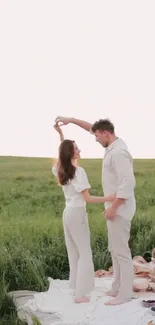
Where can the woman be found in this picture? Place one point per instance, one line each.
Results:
(75, 185)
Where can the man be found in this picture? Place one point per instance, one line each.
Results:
(117, 178)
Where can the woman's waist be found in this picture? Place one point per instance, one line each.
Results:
(75, 202)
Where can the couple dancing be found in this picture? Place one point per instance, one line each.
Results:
(118, 184)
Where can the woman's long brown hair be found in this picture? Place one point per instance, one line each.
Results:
(66, 170)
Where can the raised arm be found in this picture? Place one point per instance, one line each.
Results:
(66, 120)
(58, 129)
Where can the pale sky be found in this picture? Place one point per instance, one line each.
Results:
(88, 59)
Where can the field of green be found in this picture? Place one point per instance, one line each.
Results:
(31, 234)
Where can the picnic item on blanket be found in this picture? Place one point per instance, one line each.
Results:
(148, 303)
(153, 310)
(144, 273)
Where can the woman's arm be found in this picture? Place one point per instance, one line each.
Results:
(97, 199)
(58, 129)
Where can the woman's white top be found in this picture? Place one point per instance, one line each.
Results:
(72, 191)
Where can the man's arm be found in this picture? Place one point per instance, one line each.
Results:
(125, 176)
(66, 120)
(83, 124)
(126, 181)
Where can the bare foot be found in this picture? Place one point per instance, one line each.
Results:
(82, 299)
(117, 301)
(111, 293)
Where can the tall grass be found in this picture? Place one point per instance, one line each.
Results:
(31, 234)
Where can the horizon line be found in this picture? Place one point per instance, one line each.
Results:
(46, 157)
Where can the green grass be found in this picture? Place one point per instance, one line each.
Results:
(31, 234)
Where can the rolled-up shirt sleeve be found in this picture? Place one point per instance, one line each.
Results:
(124, 172)
(80, 181)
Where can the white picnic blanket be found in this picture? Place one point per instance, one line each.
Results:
(58, 301)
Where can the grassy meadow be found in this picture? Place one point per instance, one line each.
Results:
(31, 234)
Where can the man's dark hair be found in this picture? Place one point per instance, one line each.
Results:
(103, 125)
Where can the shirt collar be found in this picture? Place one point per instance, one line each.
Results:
(113, 144)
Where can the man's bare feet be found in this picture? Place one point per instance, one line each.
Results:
(117, 301)
(82, 299)
(111, 293)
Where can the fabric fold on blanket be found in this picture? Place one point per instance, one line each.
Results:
(58, 300)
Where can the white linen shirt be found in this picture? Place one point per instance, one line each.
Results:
(72, 191)
(118, 177)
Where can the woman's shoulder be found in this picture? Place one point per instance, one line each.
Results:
(80, 171)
